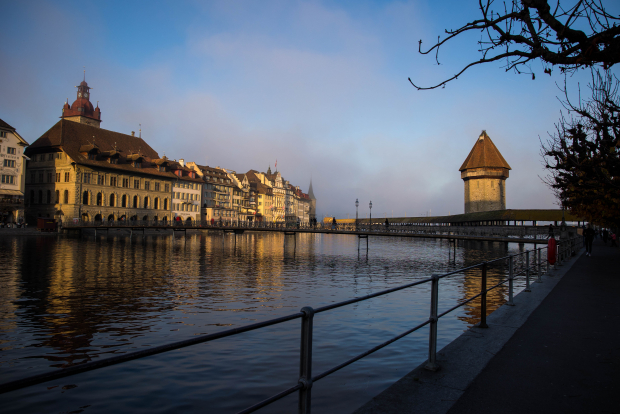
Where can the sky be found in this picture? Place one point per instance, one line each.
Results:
(319, 86)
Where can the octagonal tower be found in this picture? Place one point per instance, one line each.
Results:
(484, 173)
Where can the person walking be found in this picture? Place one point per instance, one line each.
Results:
(613, 240)
(589, 233)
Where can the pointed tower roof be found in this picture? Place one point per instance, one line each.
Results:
(310, 192)
(484, 154)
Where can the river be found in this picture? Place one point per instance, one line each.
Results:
(67, 300)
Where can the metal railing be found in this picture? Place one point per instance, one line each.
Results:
(519, 264)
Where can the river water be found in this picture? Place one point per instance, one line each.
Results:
(69, 300)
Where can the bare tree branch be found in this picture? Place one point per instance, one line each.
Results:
(532, 31)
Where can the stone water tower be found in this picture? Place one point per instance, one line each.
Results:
(484, 173)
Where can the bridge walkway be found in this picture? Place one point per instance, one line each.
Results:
(378, 230)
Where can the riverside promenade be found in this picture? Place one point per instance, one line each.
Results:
(556, 350)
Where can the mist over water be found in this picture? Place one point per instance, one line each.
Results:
(69, 300)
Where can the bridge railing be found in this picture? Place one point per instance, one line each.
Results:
(524, 264)
(535, 232)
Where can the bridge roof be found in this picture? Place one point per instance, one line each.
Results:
(497, 215)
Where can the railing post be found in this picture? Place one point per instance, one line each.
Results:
(431, 364)
(305, 361)
(483, 297)
(538, 265)
(511, 277)
(527, 272)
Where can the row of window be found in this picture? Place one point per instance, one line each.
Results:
(8, 179)
(89, 178)
(50, 177)
(45, 157)
(11, 150)
(186, 196)
(185, 207)
(125, 201)
(9, 163)
(48, 198)
(190, 186)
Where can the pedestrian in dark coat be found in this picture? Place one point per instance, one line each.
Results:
(589, 239)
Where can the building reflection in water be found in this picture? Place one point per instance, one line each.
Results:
(70, 300)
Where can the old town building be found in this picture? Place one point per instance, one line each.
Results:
(217, 193)
(78, 170)
(186, 193)
(13, 173)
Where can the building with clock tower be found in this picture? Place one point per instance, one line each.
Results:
(82, 111)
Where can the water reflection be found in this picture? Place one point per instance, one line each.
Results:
(69, 300)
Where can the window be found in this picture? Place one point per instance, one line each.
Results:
(91, 155)
(67, 177)
(101, 179)
(156, 186)
(112, 200)
(135, 201)
(66, 197)
(32, 200)
(86, 178)
(124, 201)
(49, 197)
(126, 182)
(166, 203)
(33, 178)
(50, 157)
(99, 199)
(8, 179)
(57, 196)
(137, 164)
(113, 160)
(147, 185)
(136, 184)
(9, 163)
(57, 177)
(2, 134)
(85, 198)
(156, 203)
(146, 202)
(10, 150)
(49, 177)
(167, 187)
(112, 181)
(40, 197)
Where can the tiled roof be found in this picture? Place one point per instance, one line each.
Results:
(75, 138)
(5, 125)
(484, 154)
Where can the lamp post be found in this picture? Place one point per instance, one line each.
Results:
(357, 204)
(370, 207)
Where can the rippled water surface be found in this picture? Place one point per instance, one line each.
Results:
(70, 300)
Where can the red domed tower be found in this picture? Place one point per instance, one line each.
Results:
(82, 110)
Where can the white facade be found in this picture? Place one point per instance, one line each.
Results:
(12, 174)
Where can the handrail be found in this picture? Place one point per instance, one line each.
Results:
(306, 314)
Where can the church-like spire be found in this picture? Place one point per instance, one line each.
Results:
(310, 192)
(269, 170)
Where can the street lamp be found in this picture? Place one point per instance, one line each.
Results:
(357, 203)
(370, 207)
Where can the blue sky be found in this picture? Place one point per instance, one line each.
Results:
(320, 86)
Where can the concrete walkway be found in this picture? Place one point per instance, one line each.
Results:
(557, 350)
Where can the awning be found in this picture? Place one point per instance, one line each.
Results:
(11, 192)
